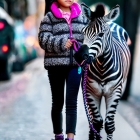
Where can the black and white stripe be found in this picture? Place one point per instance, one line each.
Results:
(108, 72)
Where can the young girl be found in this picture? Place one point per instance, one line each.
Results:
(62, 23)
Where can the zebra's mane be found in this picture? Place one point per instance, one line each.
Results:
(100, 10)
(98, 13)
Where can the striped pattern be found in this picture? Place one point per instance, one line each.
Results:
(108, 72)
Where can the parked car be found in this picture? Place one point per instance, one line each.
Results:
(7, 48)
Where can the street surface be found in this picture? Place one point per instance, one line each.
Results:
(25, 108)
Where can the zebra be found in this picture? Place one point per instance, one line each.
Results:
(105, 49)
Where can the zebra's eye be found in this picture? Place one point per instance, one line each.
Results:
(100, 34)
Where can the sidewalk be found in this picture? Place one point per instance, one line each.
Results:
(25, 109)
(123, 129)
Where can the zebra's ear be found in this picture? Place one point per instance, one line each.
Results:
(113, 14)
(86, 10)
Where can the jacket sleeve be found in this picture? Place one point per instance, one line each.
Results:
(47, 40)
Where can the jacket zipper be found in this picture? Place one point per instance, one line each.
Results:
(71, 48)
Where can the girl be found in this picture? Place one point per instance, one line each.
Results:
(62, 23)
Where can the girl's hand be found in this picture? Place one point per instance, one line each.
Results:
(68, 44)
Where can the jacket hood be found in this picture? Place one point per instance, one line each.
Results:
(75, 10)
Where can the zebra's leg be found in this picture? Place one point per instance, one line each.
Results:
(112, 101)
(93, 103)
(92, 98)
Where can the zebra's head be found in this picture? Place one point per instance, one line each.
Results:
(97, 32)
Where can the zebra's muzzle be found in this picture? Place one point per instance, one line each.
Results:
(82, 54)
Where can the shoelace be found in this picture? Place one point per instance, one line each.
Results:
(59, 137)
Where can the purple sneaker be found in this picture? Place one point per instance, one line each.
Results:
(69, 139)
(59, 137)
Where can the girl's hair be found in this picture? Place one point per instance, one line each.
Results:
(48, 4)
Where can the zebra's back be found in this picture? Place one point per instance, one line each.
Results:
(120, 38)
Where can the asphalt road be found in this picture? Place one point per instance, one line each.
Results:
(25, 108)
